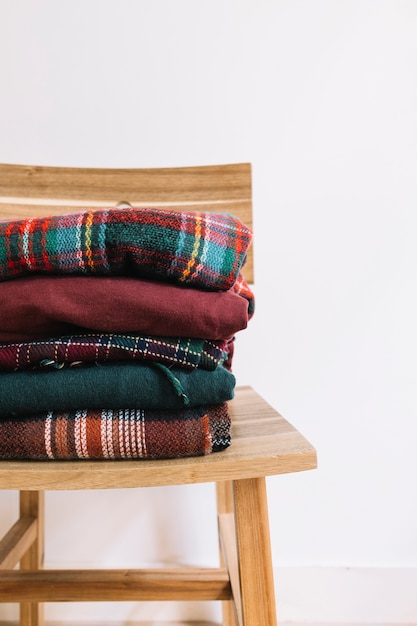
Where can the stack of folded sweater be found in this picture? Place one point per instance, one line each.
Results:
(116, 333)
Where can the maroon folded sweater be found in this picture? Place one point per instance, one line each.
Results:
(46, 306)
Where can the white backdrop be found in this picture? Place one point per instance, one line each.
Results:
(321, 97)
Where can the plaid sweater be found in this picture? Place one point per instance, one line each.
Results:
(100, 347)
(116, 434)
(205, 250)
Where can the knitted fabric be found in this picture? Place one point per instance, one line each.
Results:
(39, 306)
(131, 385)
(76, 349)
(242, 288)
(195, 249)
(116, 434)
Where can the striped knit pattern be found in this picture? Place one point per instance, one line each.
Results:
(88, 348)
(205, 250)
(116, 434)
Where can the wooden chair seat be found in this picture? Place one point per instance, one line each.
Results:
(263, 442)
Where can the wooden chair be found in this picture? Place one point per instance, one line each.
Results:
(263, 442)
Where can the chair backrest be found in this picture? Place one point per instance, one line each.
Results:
(36, 191)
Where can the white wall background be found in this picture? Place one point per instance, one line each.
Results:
(321, 96)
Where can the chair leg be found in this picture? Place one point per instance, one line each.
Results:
(254, 552)
(225, 506)
(32, 505)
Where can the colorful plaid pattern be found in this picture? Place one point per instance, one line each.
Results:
(88, 348)
(205, 250)
(241, 288)
(116, 434)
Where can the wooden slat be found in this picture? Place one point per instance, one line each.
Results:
(180, 184)
(227, 534)
(263, 444)
(17, 541)
(32, 503)
(225, 507)
(114, 585)
(254, 552)
(224, 497)
(20, 210)
(129, 623)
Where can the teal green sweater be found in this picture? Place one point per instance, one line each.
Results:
(122, 385)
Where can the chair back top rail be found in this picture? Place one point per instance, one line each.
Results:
(37, 191)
